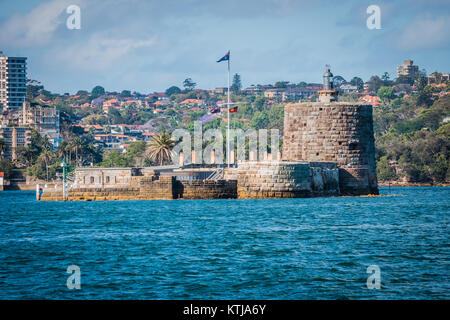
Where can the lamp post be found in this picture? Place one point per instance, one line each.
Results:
(64, 166)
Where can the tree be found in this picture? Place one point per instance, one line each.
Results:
(404, 80)
(114, 116)
(34, 88)
(384, 170)
(386, 93)
(24, 155)
(424, 97)
(46, 156)
(260, 121)
(114, 159)
(125, 93)
(386, 79)
(358, 82)
(77, 145)
(259, 102)
(3, 147)
(421, 80)
(237, 85)
(97, 91)
(420, 83)
(6, 166)
(159, 149)
(135, 151)
(338, 81)
(82, 93)
(172, 90)
(374, 83)
(188, 84)
(281, 84)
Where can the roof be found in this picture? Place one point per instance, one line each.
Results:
(197, 101)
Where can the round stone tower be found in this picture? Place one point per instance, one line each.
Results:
(339, 132)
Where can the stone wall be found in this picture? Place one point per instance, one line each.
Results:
(156, 188)
(284, 179)
(206, 189)
(92, 194)
(334, 132)
(103, 177)
(149, 188)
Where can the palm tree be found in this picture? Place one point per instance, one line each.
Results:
(46, 156)
(62, 150)
(77, 145)
(159, 149)
(3, 146)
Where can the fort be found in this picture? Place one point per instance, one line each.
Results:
(328, 150)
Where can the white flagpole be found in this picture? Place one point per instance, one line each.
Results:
(228, 109)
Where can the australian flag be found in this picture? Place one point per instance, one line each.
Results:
(225, 57)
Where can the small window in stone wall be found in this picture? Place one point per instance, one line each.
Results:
(353, 146)
(92, 179)
(107, 179)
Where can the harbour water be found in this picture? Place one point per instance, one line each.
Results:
(316, 248)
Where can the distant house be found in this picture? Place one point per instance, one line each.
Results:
(112, 140)
(348, 88)
(46, 101)
(253, 90)
(161, 103)
(96, 128)
(97, 102)
(158, 96)
(197, 102)
(221, 90)
(295, 94)
(275, 93)
(438, 77)
(147, 136)
(373, 100)
(111, 103)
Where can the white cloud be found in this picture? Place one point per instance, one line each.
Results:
(99, 52)
(425, 33)
(36, 27)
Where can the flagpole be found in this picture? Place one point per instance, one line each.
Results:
(228, 108)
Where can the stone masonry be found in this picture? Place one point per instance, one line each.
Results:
(148, 187)
(334, 132)
(267, 179)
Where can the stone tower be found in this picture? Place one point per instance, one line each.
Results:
(330, 131)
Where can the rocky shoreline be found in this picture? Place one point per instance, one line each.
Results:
(410, 184)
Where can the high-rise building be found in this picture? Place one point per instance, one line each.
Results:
(13, 74)
(407, 70)
(43, 119)
(14, 137)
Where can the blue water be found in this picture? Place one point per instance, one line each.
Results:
(316, 248)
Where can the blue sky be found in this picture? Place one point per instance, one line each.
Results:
(150, 45)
